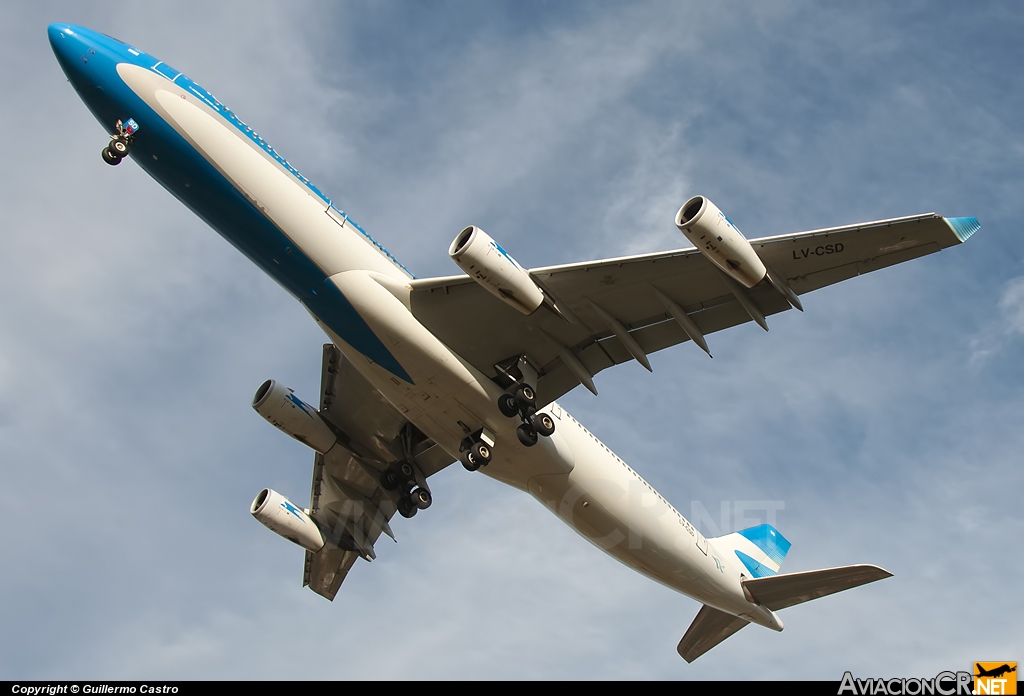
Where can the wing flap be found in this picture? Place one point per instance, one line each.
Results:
(663, 332)
(781, 591)
(710, 628)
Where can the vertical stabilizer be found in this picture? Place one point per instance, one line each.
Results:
(760, 549)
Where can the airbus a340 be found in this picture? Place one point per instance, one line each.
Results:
(423, 372)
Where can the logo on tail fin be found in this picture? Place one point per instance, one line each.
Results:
(765, 552)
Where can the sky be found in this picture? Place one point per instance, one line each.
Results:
(882, 425)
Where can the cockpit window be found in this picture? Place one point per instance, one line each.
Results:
(115, 39)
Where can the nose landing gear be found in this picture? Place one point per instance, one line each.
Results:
(120, 142)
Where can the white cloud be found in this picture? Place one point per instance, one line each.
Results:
(1012, 305)
(999, 334)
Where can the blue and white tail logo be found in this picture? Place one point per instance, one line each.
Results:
(760, 549)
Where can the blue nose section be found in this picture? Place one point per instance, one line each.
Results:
(64, 44)
(54, 31)
(71, 50)
(89, 59)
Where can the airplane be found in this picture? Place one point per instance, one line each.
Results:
(995, 672)
(422, 372)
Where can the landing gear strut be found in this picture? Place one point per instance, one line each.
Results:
(120, 142)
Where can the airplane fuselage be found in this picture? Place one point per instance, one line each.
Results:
(359, 294)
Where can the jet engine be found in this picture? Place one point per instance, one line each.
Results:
(293, 416)
(282, 517)
(487, 263)
(717, 238)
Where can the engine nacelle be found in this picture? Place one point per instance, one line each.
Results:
(282, 517)
(293, 416)
(487, 263)
(717, 238)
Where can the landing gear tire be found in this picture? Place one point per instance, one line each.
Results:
(407, 508)
(481, 452)
(110, 158)
(421, 498)
(469, 461)
(405, 469)
(388, 480)
(543, 424)
(508, 405)
(525, 395)
(527, 435)
(118, 148)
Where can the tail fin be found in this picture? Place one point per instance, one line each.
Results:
(781, 591)
(761, 549)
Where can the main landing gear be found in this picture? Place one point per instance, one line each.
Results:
(519, 401)
(120, 142)
(414, 494)
(522, 402)
(475, 452)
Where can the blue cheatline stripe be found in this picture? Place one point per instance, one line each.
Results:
(768, 539)
(756, 569)
(185, 82)
(163, 154)
(963, 227)
(334, 309)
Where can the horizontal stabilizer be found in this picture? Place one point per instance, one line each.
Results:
(709, 629)
(781, 591)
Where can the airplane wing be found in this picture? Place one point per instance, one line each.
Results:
(644, 295)
(346, 497)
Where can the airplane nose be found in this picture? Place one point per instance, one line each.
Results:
(64, 45)
(70, 50)
(59, 40)
(54, 32)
